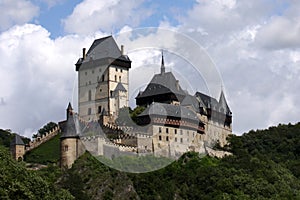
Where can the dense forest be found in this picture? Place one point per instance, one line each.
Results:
(265, 165)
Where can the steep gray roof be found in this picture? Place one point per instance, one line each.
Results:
(209, 102)
(17, 140)
(190, 100)
(120, 87)
(102, 48)
(69, 128)
(161, 84)
(170, 110)
(223, 104)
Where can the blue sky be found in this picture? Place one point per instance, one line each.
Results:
(253, 44)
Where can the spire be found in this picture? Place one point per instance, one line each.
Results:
(162, 67)
(223, 103)
(69, 110)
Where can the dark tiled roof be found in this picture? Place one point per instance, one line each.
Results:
(223, 104)
(209, 102)
(69, 128)
(120, 87)
(103, 49)
(170, 110)
(161, 84)
(17, 140)
(190, 100)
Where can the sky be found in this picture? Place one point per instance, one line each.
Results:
(253, 46)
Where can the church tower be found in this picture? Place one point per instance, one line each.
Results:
(70, 145)
(103, 74)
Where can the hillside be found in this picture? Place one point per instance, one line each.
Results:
(16, 182)
(46, 153)
(265, 165)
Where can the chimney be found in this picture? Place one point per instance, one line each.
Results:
(122, 50)
(177, 85)
(83, 54)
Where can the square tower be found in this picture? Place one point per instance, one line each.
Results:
(103, 78)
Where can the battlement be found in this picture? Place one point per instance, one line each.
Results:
(42, 139)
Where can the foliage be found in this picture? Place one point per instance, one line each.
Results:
(6, 136)
(16, 182)
(48, 152)
(45, 129)
(137, 110)
(136, 164)
(128, 117)
(90, 179)
(265, 165)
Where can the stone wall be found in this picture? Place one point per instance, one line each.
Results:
(44, 138)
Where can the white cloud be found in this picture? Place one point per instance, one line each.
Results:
(93, 15)
(38, 75)
(281, 32)
(16, 12)
(262, 84)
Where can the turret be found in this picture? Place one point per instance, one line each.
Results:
(17, 148)
(70, 145)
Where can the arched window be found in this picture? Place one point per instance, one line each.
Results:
(66, 148)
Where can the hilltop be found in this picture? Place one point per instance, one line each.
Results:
(265, 165)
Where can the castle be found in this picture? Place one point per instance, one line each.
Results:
(172, 123)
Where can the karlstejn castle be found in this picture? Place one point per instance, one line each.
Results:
(172, 121)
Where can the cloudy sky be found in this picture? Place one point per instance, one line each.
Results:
(254, 46)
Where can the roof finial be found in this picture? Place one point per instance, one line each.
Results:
(162, 68)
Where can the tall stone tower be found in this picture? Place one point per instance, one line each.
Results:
(103, 74)
(17, 148)
(70, 145)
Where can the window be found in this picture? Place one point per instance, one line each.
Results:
(116, 69)
(188, 133)
(175, 131)
(85, 73)
(119, 78)
(111, 93)
(89, 111)
(159, 137)
(167, 130)
(181, 140)
(159, 129)
(181, 132)
(176, 139)
(99, 109)
(102, 77)
(100, 90)
(98, 78)
(92, 71)
(167, 138)
(90, 82)
(90, 95)
(66, 148)
(121, 70)
(116, 78)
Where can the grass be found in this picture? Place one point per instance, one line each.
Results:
(48, 152)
